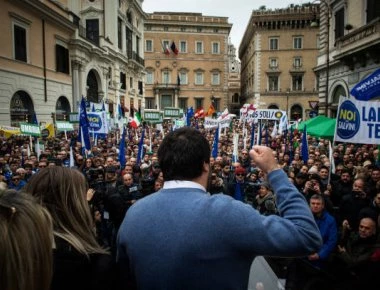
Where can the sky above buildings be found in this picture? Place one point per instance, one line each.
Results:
(237, 11)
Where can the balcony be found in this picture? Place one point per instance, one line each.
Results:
(353, 46)
(89, 36)
(138, 59)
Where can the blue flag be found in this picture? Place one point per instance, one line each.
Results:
(122, 149)
(237, 194)
(215, 145)
(368, 88)
(140, 153)
(291, 146)
(189, 115)
(83, 126)
(252, 135)
(34, 120)
(305, 146)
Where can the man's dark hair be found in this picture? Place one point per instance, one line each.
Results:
(183, 153)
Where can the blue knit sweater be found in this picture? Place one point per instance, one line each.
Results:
(186, 239)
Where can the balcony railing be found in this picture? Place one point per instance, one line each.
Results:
(91, 37)
(138, 59)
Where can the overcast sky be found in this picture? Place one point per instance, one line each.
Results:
(237, 11)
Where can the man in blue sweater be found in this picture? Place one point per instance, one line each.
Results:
(183, 238)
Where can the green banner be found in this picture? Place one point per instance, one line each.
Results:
(30, 129)
(64, 126)
(172, 113)
(152, 116)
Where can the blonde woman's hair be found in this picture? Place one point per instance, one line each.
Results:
(63, 192)
(26, 239)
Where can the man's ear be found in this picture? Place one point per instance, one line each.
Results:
(206, 167)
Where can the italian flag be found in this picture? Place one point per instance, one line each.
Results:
(136, 120)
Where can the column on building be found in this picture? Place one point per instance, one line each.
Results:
(176, 91)
(76, 85)
(157, 98)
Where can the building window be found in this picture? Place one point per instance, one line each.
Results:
(140, 86)
(131, 82)
(273, 43)
(199, 78)
(148, 45)
(297, 82)
(215, 78)
(273, 83)
(217, 105)
(128, 41)
(373, 10)
(149, 78)
(183, 78)
(199, 47)
(199, 29)
(92, 30)
(273, 63)
(149, 103)
(297, 62)
(215, 48)
(183, 29)
(166, 28)
(198, 103)
(297, 42)
(123, 81)
(183, 46)
(119, 33)
(339, 23)
(20, 45)
(166, 77)
(182, 103)
(62, 59)
(166, 101)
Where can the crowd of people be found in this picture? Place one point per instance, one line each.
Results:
(85, 205)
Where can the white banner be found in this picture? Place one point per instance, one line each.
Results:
(97, 122)
(358, 121)
(210, 123)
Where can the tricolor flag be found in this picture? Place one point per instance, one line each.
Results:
(174, 48)
(136, 120)
(166, 49)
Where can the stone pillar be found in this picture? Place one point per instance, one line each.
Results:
(157, 98)
(76, 86)
(176, 98)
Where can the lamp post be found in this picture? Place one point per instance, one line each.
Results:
(327, 47)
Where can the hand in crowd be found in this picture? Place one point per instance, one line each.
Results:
(264, 159)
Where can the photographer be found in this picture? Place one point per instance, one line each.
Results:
(313, 186)
(351, 204)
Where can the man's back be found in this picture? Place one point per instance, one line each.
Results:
(182, 238)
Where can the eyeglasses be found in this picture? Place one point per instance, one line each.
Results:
(15, 179)
(239, 174)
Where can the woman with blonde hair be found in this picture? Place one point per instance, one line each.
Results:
(77, 255)
(26, 238)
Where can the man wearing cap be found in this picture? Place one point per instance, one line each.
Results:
(236, 188)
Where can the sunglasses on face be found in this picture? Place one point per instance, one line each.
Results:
(239, 174)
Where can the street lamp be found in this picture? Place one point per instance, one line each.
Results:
(327, 10)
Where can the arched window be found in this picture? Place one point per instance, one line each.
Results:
(92, 84)
(62, 109)
(21, 108)
(296, 112)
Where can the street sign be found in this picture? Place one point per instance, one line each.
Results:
(313, 114)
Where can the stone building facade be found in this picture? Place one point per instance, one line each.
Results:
(278, 55)
(186, 60)
(55, 52)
